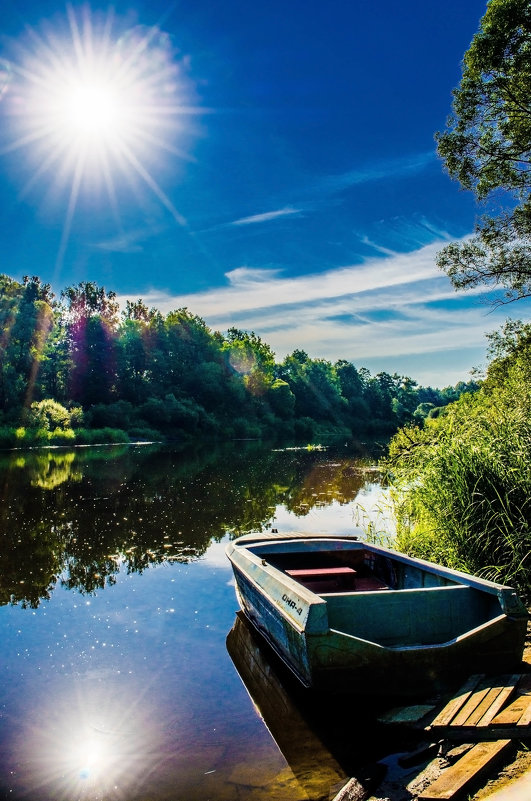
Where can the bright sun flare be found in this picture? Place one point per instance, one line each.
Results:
(84, 106)
(91, 110)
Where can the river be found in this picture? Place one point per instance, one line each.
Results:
(126, 673)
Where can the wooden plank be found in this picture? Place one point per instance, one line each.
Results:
(506, 692)
(525, 720)
(318, 572)
(465, 771)
(471, 734)
(483, 707)
(452, 707)
(512, 714)
(473, 702)
(352, 791)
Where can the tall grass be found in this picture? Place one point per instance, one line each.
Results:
(461, 486)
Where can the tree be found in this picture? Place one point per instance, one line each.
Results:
(487, 146)
(92, 320)
(26, 316)
(251, 358)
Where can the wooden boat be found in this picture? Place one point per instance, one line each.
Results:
(348, 615)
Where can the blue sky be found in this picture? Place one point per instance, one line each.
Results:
(277, 169)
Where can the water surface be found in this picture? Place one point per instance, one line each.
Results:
(118, 680)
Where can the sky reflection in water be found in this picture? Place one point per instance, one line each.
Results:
(128, 691)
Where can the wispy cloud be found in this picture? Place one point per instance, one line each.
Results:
(267, 216)
(378, 170)
(319, 190)
(248, 289)
(128, 241)
(376, 313)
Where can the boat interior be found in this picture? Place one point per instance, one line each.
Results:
(363, 590)
(349, 570)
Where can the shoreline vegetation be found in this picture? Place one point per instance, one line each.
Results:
(461, 483)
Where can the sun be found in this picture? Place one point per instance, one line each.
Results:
(91, 110)
(86, 103)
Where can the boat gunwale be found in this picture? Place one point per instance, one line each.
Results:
(258, 541)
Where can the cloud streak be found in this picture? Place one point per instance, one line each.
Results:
(267, 216)
(371, 313)
(392, 168)
(128, 241)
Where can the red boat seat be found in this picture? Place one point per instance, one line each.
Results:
(325, 579)
(320, 572)
(334, 579)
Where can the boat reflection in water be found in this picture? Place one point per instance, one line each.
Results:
(324, 741)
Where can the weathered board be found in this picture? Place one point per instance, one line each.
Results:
(452, 707)
(465, 771)
(498, 702)
(518, 710)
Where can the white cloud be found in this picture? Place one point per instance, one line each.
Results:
(383, 312)
(249, 291)
(250, 276)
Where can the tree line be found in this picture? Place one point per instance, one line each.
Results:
(73, 364)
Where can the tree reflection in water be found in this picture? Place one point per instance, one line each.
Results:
(79, 517)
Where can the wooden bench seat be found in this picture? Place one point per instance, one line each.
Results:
(332, 579)
(325, 579)
(320, 572)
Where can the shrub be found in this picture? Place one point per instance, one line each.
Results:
(62, 436)
(48, 414)
(144, 434)
(7, 437)
(97, 436)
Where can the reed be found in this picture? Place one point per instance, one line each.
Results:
(461, 486)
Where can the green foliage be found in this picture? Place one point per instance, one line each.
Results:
(487, 146)
(48, 414)
(62, 436)
(462, 483)
(97, 436)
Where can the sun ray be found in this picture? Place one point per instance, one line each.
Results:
(74, 192)
(150, 181)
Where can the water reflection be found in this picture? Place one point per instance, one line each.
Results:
(324, 741)
(80, 517)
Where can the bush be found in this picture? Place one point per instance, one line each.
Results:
(61, 436)
(7, 437)
(110, 415)
(97, 436)
(48, 414)
(144, 434)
